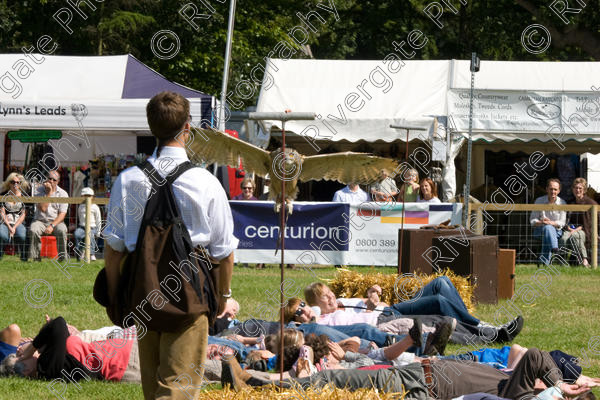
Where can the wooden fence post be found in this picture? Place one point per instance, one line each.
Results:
(595, 236)
(88, 213)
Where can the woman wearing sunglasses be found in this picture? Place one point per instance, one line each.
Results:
(247, 190)
(13, 213)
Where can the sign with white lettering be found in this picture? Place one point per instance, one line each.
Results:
(331, 233)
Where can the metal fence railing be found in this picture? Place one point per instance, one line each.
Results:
(71, 221)
(510, 222)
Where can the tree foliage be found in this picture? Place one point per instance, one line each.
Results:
(358, 29)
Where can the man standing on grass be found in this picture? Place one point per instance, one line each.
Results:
(548, 224)
(169, 360)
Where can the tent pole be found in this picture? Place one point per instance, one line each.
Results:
(221, 117)
(474, 68)
(285, 116)
(282, 212)
(403, 202)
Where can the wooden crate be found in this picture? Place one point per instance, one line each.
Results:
(506, 273)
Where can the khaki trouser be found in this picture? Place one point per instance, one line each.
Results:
(576, 240)
(36, 230)
(171, 362)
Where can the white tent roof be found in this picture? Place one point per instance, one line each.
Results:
(329, 88)
(526, 75)
(514, 101)
(99, 103)
(44, 92)
(76, 78)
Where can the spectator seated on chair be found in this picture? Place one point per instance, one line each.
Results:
(49, 217)
(13, 213)
(578, 229)
(548, 224)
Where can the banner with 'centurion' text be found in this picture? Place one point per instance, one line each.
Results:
(331, 233)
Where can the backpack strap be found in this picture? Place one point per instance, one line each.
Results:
(181, 168)
(151, 173)
(155, 177)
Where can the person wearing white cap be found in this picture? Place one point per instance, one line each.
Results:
(95, 218)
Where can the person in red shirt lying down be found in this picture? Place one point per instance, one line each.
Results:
(55, 353)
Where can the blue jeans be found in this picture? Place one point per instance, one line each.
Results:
(19, 240)
(438, 297)
(549, 236)
(80, 240)
(367, 333)
(333, 333)
(234, 344)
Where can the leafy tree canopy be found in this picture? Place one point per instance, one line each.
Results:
(342, 29)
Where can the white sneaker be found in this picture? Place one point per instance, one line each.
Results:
(483, 324)
(92, 258)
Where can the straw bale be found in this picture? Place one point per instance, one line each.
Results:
(395, 288)
(274, 393)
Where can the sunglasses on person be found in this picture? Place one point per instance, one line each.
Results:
(15, 182)
(248, 188)
(52, 179)
(300, 308)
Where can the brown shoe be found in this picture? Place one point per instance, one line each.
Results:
(233, 374)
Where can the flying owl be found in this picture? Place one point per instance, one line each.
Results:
(348, 167)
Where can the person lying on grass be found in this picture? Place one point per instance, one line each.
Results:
(55, 351)
(226, 320)
(111, 351)
(322, 354)
(438, 297)
(440, 379)
(10, 339)
(300, 312)
(299, 351)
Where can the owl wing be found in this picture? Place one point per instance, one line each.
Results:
(213, 146)
(346, 167)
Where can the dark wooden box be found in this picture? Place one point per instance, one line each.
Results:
(476, 256)
(506, 273)
(415, 244)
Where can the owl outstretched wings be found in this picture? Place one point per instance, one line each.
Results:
(348, 167)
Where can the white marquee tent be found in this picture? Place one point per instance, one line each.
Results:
(97, 102)
(515, 102)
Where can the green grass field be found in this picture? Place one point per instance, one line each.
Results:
(565, 315)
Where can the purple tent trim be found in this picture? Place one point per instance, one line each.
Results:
(142, 82)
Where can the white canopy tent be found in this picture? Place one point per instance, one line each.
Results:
(358, 100)
(515, 102)
(97, 102)
(527, 100)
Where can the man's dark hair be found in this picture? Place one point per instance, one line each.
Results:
(167, 112)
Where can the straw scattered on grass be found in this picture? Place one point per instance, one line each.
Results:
(310, 393)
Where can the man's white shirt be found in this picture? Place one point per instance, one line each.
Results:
(199, 195)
